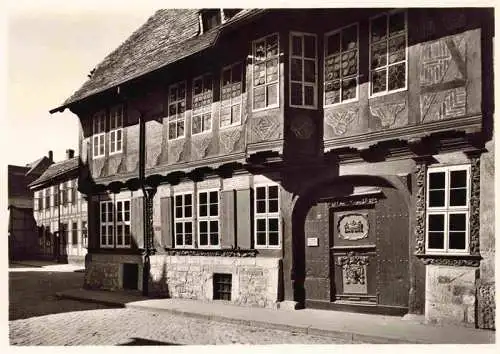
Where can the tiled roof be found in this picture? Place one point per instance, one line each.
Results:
(58, 169)
(166, 37)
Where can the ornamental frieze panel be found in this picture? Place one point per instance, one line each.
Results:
(265, 128)
(474, 218)
(154, 134)
(114, 163)
(98, 167)
(228, 139)
(132, 162)
(302, 127)
(340, 122)
(353, 273)
(435, 106)
(353, 202)
(353, 226)
(175, 149)
(200, 146)
(420, 176)
(390, 115)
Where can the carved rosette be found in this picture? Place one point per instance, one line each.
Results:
(353, 268)
(474, 205)
(265, 128)
(420, 208)
(228, 139)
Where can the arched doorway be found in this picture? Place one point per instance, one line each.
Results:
(351, 252)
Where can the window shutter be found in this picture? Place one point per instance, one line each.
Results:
(243, 218)
(227, 237)
(137, 221)
(93, 223)
(166, 222)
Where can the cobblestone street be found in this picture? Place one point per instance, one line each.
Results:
(37, 317)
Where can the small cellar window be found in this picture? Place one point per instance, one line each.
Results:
(222, 286)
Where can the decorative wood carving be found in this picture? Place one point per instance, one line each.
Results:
(343, 203)
(132, 161)
(474, 216)
(353, 226)
(265, 128)
(214, 253)
(353, 272)
(114, 163)
(175, 149)
(200, 146)
(457, 261)
(420, 176)
(302, 127)
(228, 139)
(340, 121)
(97, 167)
(390, 114)
(443, 105)
(154, 139)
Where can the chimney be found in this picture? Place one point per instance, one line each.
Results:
(70, 153)
(51, 156)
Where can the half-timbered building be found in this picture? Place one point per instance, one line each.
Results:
(326, 158)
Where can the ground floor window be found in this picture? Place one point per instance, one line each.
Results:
(267, 217)
(222, 286)
(115, 223)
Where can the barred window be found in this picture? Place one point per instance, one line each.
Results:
(303, 70)
(208, 218)
(267, 216)
(202, 104)
(388, 44)
(266, 72)
(231, 89)
(341, 65)
(183, 220)
(448, 193)
(176, 110)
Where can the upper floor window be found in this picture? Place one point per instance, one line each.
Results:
(37, 201)
(55, 195)
(388, 57)
(74, 234)
(202, 104)
(115, 129)
(183, 220)
(47, 198)
(210, 18)
(208, 218)
(63, 191)
(176, 110)
(266, 72)
(341, 65)
(84, 234)
(448, 192)
(303, 72)
(267, 216)
(98, 134)
(231, 89)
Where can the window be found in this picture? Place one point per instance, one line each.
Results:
(222, 284)
(123, 223)
(208, 219)
(47, 198)
(267, 229)
(341, 65)
(210, 19)
(74, 234)
(448, 209)
(63, 232)
(303, 73)
(266, 72)
(231, 89)
(176, 110)
(84, 234)
(106, 216)
(183, 219)
(37, 201)
(72, 192)
(115, 129)
(388, 69)
(202, 104)
(98, 134)
(63, 194)
(55, 194)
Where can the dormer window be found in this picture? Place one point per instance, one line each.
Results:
(210, 18)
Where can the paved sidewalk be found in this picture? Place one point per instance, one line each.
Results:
(40, 266)
(342, 325)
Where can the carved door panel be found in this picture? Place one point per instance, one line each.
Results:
(353, 256)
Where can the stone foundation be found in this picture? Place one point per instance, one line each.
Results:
(254, 280)
(451, 295)
(486, 305)
(105, 272)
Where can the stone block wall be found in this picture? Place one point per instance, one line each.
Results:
(255, 281)
(451, 295)
(105, 271)
(486, 305)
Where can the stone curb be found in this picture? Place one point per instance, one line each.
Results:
(112, 303)
(303, 329)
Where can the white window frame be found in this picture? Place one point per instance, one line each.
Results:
(99, 134)
(325, 46)
(303, 82)
(233, 101)
(204, 109)
(267, 215)
(447, 210)
(386, 67)
(208, 218)
(124, 223)
(178, 117)
(184, 220)
(85, 233)
(106, 223)
(254, 62)
(116, 128)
